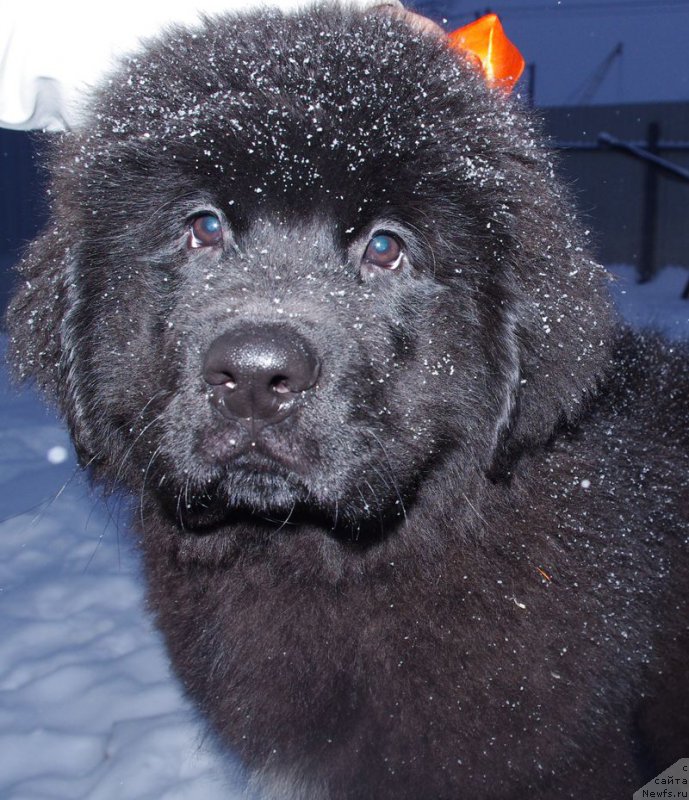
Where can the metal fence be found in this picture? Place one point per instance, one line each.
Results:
(628, 167)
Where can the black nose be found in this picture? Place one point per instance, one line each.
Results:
(260, 372)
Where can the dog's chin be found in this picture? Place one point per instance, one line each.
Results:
(262, 491)
(256, 491)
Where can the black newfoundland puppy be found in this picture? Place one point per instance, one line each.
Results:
(414, 509)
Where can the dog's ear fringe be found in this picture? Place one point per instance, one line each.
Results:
(559, 378)
(36, 321)
(35, 313)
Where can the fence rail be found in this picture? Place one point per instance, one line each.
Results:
(648, 152)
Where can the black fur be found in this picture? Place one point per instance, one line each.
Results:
(460, 570)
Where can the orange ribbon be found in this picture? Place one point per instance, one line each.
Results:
(485, 39)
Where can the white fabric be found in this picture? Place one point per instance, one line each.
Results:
(53, 51)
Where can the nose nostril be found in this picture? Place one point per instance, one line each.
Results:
(280, 385)
(217, 376)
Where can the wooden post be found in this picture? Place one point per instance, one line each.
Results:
(647, 265)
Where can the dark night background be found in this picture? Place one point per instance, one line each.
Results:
(619, 67)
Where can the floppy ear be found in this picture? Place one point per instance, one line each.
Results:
(564, 327)
(564, 340)
(41, 339)
(36, 312)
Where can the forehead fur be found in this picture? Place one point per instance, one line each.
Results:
(282, 103)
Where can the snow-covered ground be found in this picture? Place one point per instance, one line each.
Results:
(88, 707)
(657, 304)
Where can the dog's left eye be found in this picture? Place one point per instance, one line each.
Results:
(384, 250)
(205, 231)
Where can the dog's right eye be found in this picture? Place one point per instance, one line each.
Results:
(205, 230)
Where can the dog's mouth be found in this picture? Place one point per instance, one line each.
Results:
(259, 493)
(274, 476)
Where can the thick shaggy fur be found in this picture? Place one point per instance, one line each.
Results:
(459, 570)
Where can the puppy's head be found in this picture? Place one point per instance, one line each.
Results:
(305, 262)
